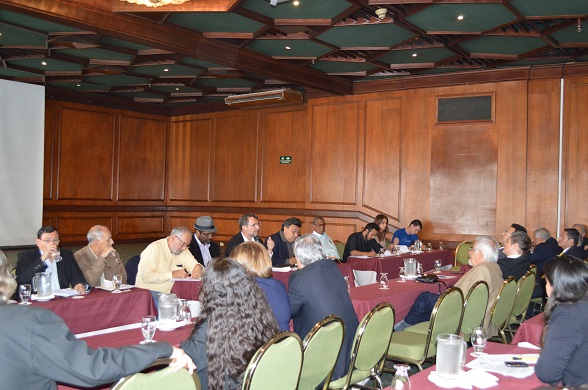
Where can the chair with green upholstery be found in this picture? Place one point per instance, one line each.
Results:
(369, 348)
(417, 343)
(462, 254)
(276, 365)
(340, 248)
(321, 348)
(474, 309)
(525, 287)
(153, 379)
(502, 307)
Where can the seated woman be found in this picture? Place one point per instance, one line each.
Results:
(565, 340)
(235, 321)
(384, 237)
(254, 258)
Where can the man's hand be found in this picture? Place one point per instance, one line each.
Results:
(49, 254)
(179, 274)
(197, 271)
(107, 251)
(181, 360)
(270, 244)
(292, 260)
(80, 288)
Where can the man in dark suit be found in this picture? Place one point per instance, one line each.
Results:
(250, 227)
(201, 246)
(63, 267)
(282, 253)
(317, 290)
(516, 248)
(546, 249)
(568, 240)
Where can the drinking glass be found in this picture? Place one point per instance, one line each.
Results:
(185, 314)
(381, 252)
(148, 328)
(402, 274)
(438, 266)
(400, 380)
(384, 281)
(441, 245)
(57, 256)
(24, 291)
(117, 281)
(347, 283)
(478, 339)
(429, 246)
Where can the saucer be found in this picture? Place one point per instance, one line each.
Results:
(24, 303)
(34, 297)
(413, 277)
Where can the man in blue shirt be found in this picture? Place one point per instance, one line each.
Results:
(409, 235)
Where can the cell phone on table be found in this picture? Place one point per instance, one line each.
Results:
(516, 364)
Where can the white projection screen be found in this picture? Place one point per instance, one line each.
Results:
(22, 121)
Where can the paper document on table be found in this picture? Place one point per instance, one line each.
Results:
(185, 280)
(495, 363)
(525, 344)
(446, 277)
(402, 248)
(281, 269)
(65, 292)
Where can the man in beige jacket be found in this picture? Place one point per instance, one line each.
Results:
(98, 260)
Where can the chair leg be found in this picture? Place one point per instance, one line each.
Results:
(502, 336)
(379, 382)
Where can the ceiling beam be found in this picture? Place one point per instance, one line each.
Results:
(96, 15)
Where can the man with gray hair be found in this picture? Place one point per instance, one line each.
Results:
(167, 259)
(318, 229)
(483, 257)
(318, 290)
(98, 260)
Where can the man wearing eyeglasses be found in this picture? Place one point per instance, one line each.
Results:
(47, 257)
(250, 227)
(201, 246)
(318, 229)
(515, 227)
(167, 259)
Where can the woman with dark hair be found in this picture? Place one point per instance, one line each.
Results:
(254, 258)
(384, 237)
(565, 340)
(235, 321)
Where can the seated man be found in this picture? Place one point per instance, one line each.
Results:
(362, 243)
(249, 226)
(318, 229)
(317, 290)
(282, 253)
(53, 354)
(583, 241)
(516, 248)
(483, 257)
(65, 271)
(515, 227)
(201, 246)
(568, 240)
(98, 260)
(409, 235)
(545, 249)
(167, 259)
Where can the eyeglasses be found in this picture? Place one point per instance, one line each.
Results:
(506, 233)
(54, 241)
(258, 224)
(184, 245)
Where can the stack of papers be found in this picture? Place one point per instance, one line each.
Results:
(495, 363)
(465, 380)
(65, 292)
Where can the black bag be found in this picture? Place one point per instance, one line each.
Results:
(427, 278)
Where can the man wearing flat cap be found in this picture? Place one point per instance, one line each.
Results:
(201, 246)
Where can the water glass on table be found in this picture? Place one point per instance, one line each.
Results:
(384, 281)
(148, 328)
(478, 339)
(24, 292)
(117, 281)
(438, 266)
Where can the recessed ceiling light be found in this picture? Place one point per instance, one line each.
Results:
(288, 48)
(166, 70)
(296, 2)
(177, 89)
(414, 54)
(78, 85)
(460, 17)
(44, 63)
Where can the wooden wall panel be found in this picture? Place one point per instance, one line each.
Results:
(575, 208)
(381, 187)
(542, 154)
(335, 143)
(75, 228)
(142, 163)
(235, 159)
(189, 166)
(48, 158)
(282, 134)
(86, 155)
(141, 225)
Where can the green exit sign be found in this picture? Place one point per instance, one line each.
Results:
(285, 159)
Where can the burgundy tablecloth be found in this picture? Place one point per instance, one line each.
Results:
(130, 337)
(392, 264)
(530, 331)
(102, 309)
(191, 289)
(421, 381)
(400, 294)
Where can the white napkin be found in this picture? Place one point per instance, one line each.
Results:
(466, 380)
(458, 382)
(526, 344)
